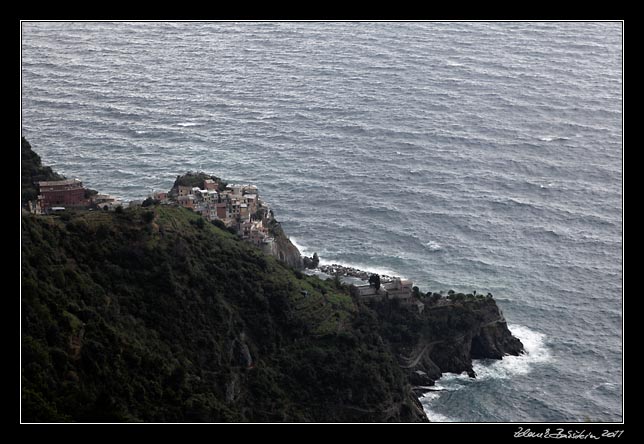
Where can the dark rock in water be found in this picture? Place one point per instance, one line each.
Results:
(352, 272)
(420, 378)
(311, 262)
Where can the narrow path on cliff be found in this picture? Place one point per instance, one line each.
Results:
(412, 362)
(389, 412)
(496, 321)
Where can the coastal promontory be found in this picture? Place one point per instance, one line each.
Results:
(152, 313)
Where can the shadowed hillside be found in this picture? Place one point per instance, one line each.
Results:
(151, 315)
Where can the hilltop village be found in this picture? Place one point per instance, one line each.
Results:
(235, 207)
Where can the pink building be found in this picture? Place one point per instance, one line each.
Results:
(62, 193)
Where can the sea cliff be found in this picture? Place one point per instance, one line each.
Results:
(283, 249)
(446, 336)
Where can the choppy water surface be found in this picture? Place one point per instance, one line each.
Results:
(473, 156)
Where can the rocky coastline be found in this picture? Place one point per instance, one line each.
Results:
(445, 337)
(345, 271)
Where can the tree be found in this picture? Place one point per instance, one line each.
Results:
(150, 201)
(337, 281)
(375, 280)
(199, 223)
(219, 224)
(148, 217)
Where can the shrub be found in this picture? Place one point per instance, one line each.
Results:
(219, 224)
(199, 223)
(149, 202)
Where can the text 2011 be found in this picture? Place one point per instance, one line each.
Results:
(612, 433)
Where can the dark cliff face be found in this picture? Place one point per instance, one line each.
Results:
(447, 335)
(283, 249)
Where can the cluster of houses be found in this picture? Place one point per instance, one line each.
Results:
(237, 206)
(392, 287)
(397, 288)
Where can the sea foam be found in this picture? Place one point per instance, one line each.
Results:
(536, 352)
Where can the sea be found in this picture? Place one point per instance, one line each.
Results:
(473, 156)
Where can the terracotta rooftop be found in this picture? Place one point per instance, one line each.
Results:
(52, 183)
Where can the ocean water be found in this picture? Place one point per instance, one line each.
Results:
(479, 156)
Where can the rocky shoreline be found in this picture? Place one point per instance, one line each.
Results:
(344, 271)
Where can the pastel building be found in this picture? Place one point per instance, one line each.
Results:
(61, 193)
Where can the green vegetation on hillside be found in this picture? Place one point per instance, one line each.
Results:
(148, 315)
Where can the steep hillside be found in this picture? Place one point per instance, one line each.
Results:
(32, 172)
(153, 314)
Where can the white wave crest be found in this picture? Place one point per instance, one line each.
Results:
(551, 138)
(433, 246)
(184, 124)
(433, 416)
(305, 251)
(536, 352)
